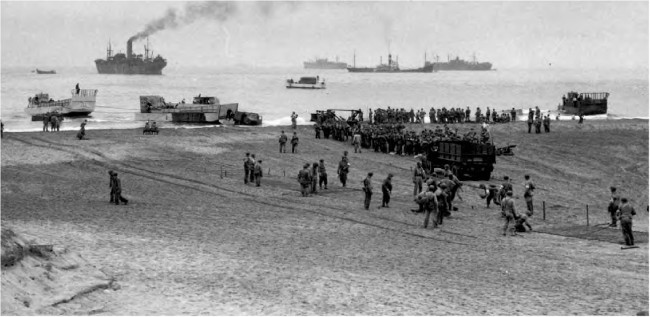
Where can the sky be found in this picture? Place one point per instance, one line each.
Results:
(587, 35)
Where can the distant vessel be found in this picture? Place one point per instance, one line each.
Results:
(459, 64)
(38, 71)
(391, 67)
(585, 103)
(306, 83)
(81, 103)
(130, 63)
(323, 63)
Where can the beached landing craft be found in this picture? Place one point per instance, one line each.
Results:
(586, 103)
(201, 110)
(306, 83)
(81, 103)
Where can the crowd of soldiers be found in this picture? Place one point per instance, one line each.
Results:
(440, 115)
(536, 118)
(52, 122)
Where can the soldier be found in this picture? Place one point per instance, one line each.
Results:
(538, 112)
(343, 170)
(294, 116)
(513, 114)
(46, 122)
(625, 213)
(53, 120)
(305, 180)
(147, 128)
(547, 124)
(111, 184)
(370, 115)
(528, 194)
(283, 142)
(506, 186)
(317, 129)
(322, 174)
(251, 168)
(443, 202)
(508, 207)
(538, 125)
(356, 141)
(82, 131)
(386, 190)
(2, 129)
(614, 201)
(367, 189)
(418, 176)
(294, 142)
(117, 193)
(257, 171)
(468, 112)
(314, 177)
(429, 203)
(530, 118)
(247, 169)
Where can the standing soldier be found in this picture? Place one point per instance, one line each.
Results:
(443, 202)
(367, 189)
(118, 191)
(468, 112)
(625, 213)
(257, 171)
(82, 131)
(613, 205)
(429, 202)
(528, 194)
(53, 120)
(304, 180)
(322, 174)
(111, 184)
(547, 124)
(283, 142)
(513, 114)
(251, 168)
(538, 125)
(314, 177)
(294, 116)
(508, 207)
(370, 115)
(356, 141)
(317, 128)
(418, 176)
(46, 121)
(294, 142)
(247, 169)
(343, 170)
(386, 190)
(531, 114)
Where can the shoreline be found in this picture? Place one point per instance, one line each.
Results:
(195, 239)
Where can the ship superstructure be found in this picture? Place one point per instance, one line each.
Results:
(131, 63)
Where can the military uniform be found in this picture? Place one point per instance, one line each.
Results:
(304, 178)
(386, 190)
(367, 189)
(429, 202)
(294, 143)
(625, 213)
(322, 175)
(508, 207)
(257, 173)
(343, 171)
(283, 143)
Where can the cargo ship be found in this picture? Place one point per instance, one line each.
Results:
(130, 63)
(81, 103)
(391, 67)
(460, 64)
(323, 63)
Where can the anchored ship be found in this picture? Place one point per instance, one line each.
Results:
(391, 67)
(460, 64)
(323, 63)
(131, 63)
(81, 103)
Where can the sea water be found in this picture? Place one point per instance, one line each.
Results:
(263, 90)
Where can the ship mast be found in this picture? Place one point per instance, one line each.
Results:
(354, 59)
(109, 51)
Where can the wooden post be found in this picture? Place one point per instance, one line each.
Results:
(284, 173)
(221, 172)
(587, 215)
(543, 210)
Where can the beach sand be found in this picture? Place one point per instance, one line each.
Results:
(194, 240)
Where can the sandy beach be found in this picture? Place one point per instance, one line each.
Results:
(195, 240)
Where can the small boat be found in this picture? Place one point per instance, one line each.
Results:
(38, 71)
(81, 103)
(306, 83)
(201, 110)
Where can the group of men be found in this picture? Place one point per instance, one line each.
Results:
(150, 128)
(620, 209)
(536, 118)
(283, 142)
(440, 115)
(52, 122)
(310, 177)
(503, 196)
(252, 170)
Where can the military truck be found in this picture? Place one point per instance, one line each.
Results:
(467, 160)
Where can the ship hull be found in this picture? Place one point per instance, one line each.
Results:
(305, 86)
(425, 69)
(126, 68)
(587, 110)
(461, 67)
(308, 65)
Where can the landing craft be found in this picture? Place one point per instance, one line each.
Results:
(201, 110)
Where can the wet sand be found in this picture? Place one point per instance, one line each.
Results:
(195, 240)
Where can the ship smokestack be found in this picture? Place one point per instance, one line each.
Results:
(390, 60)
(129, 48)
